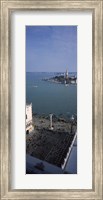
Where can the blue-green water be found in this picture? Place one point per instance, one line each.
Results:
(47, 97)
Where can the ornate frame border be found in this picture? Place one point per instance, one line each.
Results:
(7, 6)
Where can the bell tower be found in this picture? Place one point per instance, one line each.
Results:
(66, 74)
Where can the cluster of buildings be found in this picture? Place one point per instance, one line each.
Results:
(64, 79)
(69, 79)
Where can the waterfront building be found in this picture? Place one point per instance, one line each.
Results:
(29, 126)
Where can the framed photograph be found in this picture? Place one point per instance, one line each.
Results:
(51, 100)
(51, 118)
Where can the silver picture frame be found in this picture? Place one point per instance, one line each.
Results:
(7, 7)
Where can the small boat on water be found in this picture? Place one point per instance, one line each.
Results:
(72, 117)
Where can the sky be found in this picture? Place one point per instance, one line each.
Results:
(51, 48)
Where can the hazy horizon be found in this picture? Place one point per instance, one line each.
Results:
(50, 72)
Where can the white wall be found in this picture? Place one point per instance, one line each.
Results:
(29, 113)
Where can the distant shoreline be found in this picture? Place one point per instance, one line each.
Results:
(62, 78)
(53, 72)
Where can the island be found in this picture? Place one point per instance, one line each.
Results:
(63, 79)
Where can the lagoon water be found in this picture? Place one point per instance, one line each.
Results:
(47, 97)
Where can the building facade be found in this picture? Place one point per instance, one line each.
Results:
(29, 124)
